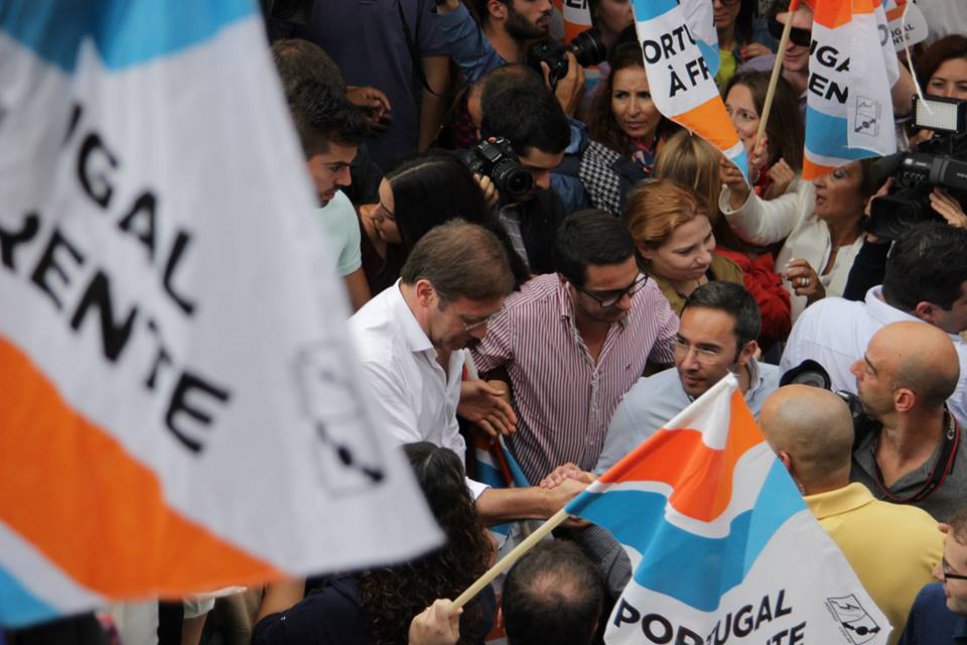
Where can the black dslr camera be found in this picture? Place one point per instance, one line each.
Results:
(495, 158)
(587, 46)
(940, 161)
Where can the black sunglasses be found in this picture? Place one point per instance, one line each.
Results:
(798, 36)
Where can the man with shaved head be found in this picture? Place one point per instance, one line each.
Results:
(917, 455)
(892, 548)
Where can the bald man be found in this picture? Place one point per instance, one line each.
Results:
(892, 548)
(918, 455)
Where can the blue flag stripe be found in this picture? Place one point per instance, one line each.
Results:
(650, 9)
(124, 32)
(828, 136)
(679, 563)
(20, 607)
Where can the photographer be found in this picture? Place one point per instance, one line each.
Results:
(537, 133)
(509, 29)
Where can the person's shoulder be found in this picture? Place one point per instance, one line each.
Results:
(915, 521)
(375, 328)
(541, 289)
(931, 599)
(654, 387)
(330, 614)
(831, 311)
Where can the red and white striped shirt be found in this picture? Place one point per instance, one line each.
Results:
(563, 399)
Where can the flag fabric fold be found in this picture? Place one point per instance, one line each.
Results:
(681, 66)
(853, 65)
(722, 546)
(180, 405)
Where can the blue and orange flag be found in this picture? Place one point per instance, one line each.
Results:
(853, 65)
(681, 61)
(179, 409)
(722, 546)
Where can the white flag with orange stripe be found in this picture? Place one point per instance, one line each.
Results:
(179, 406)
(680, 78)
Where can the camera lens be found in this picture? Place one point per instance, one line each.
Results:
(588, 48)
(511, 179)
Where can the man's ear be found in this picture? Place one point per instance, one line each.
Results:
(926, 311)
(904, 399)
(750, 350)
(425, 293)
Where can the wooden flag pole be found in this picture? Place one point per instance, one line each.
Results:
(776, 70)
(508, 560)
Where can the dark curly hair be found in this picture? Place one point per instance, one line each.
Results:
(393, 596)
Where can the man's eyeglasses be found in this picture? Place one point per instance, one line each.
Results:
(469, 326)
(611, 298)
(949, 573)
(703, 354)
(798, 35)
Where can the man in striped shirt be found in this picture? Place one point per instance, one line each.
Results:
(573, 342)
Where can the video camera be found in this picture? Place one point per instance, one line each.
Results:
(940, 161)
(588, 48)
(811, 373)
(495, 158)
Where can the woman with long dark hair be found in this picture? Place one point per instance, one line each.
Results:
(376, 607)
(623, 115)
(419, 193)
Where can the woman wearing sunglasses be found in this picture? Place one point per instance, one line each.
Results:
(674, 238)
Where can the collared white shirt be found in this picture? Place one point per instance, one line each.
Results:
(835, 332)
(414, 399)
(654, 400)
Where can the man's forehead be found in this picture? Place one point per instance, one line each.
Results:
(611, 276)
(538, 159)
(336, 153)
(707, 323)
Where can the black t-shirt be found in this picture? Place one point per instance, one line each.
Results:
(331, 614)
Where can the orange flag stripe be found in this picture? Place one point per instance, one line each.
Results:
(813, 170)
(833, 13)
(712, 122)
(71, 490)
(700, 477)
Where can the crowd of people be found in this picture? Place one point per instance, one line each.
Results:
(537, 258)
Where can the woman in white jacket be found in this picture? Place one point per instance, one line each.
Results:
(819, 221)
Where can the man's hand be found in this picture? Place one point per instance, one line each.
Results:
(948, 208)
(781, 175)
(374, 103)
(447, 6)
(436, 625)
(487, 404)
(570, 88)
(566, 471)
(491, 196)
(564, 492)
(754, 49)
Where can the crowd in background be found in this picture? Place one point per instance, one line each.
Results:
(539, 259)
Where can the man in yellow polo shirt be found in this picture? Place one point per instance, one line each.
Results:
(892, 548)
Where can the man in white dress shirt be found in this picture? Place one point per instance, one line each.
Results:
(411, 340)
(925, 281)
